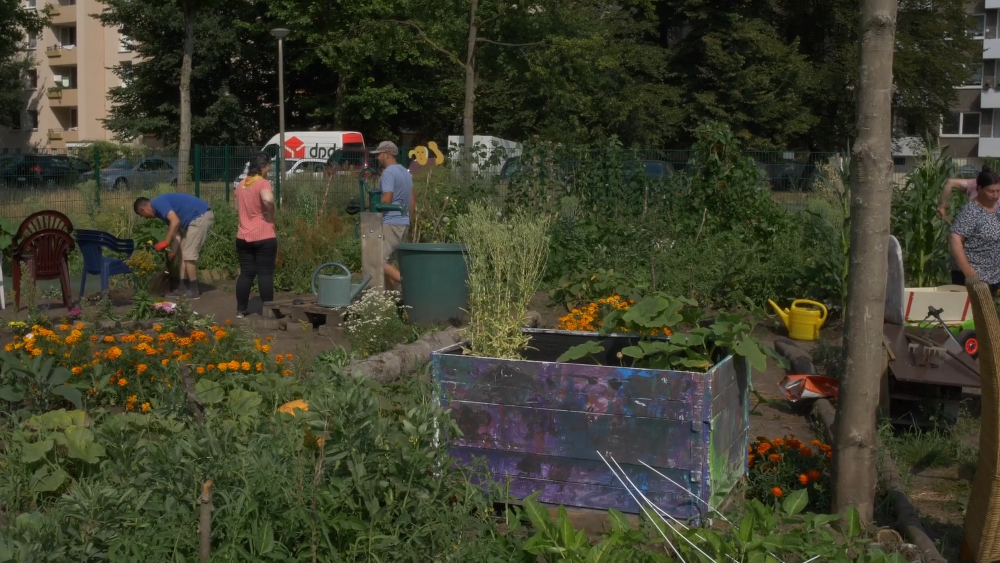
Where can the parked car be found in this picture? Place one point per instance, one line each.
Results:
(41, 171)
(144, 173)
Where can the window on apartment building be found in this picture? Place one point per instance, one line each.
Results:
(31, 79)
(74, 121)
(978, 30)
(15, 121)
(33, 119)
(67, 36)
(32, 41)
(960, 124)
(31, 3)
(67, 80)
(975, 73)
(125, 72)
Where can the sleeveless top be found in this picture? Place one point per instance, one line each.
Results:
(253, 226)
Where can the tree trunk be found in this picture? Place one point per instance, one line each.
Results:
(871, 191)
(338, 101)
(468, 128)
(184, 145)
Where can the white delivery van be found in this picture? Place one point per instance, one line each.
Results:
(315, 144)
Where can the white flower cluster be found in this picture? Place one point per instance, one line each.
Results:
(372, 322)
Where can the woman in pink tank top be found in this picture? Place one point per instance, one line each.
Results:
(256, 241)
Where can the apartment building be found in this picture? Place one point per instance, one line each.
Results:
(66, 91)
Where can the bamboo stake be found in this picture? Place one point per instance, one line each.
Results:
(205, 525)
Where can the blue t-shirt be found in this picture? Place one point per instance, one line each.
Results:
(397, 181)
(187, 207)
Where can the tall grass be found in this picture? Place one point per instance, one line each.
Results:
(506, 258)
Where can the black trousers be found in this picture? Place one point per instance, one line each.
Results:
(958, 278)
(256, 261)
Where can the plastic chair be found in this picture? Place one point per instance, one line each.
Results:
(46, 253)
(42, 220)
(95, 262)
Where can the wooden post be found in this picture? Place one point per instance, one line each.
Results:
(371, 249)
(205, 525)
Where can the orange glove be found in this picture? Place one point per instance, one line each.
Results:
(161, 246)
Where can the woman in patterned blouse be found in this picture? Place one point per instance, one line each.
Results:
(975, 235)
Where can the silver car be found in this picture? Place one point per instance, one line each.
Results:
(144, 173)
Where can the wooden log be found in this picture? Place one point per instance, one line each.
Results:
(907, 521)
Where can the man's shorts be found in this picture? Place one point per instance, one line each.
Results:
(392, 237)
(193, 236)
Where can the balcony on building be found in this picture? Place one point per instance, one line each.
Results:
(992, 4)
(63, 97)
(61, 56)
(991, 49)
(62, 12)
(64, 135)
(989, 147)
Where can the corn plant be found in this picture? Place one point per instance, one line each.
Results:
(921, 233)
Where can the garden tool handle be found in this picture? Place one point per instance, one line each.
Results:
(320, 268)
(820, 306)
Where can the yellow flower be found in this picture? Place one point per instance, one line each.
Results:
(234, 365)
(146, 407)
(222, 366)
(77, 370)
(266, 349)
(245, 366)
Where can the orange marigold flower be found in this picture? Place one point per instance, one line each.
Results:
(146, 407)
(157, 328)
(245, 366)
(763, 448)
(777, 442)
(210, 367)
(777, 492)
(234, 365)
(774, 458)
(279, 358)
(200, 370)
(77, 370)
(259, 366)
(79, 326)
(130, 406)
(816, 442)
(803, 479)
(222, 366)
(814, 475)
(113, 353)
(140, 368)
(826, 448)
(286, 373)
(829, 455)
(93, 338)
(266, 349)
(806, 451)
(269, 338)
(122, 382)
(64, 327)
(288, 357)
(165, 361)
(109, 339)
(220, 334)
(229, 322)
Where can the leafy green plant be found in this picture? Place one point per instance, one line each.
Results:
(827, 231)
(505, 258)
(922, 234)
(37, 382)
(574, 290)
(372, 324)
(672, 333)
(50, 442)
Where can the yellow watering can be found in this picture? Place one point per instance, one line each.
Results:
(803, 320)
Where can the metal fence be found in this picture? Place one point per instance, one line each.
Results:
(87, 182)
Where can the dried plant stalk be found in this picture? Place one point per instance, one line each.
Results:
(505, 258)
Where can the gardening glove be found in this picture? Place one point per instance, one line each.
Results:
(161, 246)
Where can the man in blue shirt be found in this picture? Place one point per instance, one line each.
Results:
(189, 220)
(397, 189)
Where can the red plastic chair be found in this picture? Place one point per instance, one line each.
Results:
(46, 254)
(40, 221)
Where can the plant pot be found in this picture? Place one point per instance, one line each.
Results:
(541, 423)
(434, 282)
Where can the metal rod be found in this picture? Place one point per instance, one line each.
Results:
(281, 123)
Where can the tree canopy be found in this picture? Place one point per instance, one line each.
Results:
(16, 22)
(780, 73)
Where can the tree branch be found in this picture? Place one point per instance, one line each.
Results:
(502, 44)
(430, 42)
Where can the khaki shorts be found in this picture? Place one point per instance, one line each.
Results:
(193, 236)
(392, 237)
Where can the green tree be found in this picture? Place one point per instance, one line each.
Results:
(16, 22)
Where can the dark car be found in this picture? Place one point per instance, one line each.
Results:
(41, 171)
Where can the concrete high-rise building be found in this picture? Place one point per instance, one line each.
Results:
(66, 91)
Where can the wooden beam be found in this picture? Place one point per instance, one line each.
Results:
(371, 249)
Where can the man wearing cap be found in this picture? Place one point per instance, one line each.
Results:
(397, 189)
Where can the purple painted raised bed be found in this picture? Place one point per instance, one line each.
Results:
(541, 423)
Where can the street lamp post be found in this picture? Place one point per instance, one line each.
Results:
(280, 33)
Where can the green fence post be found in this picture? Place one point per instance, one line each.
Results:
(225, 152)
(197, 171)
(97, 175)
(277, 183)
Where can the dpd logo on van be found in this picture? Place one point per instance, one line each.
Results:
(295, 148)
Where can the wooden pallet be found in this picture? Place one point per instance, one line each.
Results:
(302, 309)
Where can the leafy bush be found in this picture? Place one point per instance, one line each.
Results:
(505, 258)
(372, 324)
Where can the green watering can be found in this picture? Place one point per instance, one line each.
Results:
(336, 290)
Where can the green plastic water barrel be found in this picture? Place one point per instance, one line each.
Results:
(434, 282)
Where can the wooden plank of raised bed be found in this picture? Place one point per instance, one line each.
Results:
(678, 505)
(580, 435)
(568, 470)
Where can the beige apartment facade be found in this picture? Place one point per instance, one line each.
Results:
(66, 91)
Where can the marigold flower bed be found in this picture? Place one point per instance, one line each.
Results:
(783, 465)
(138, 371)
(590, 317)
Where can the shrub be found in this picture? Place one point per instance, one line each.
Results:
(505, 259)
(372, 323)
